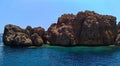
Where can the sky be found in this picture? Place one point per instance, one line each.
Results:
(45, 12)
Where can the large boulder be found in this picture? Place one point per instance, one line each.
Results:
(15, 36)
(37, 40)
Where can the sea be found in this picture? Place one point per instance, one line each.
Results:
(60, 56)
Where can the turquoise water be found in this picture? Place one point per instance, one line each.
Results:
(60, 56)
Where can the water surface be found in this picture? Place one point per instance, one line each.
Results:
(60, 56)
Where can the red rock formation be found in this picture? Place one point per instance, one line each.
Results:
(96, 29)
(62, 32)
(85, 28)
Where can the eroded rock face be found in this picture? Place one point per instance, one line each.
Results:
(62, 32)
(95, 29)
(85, 28)
(16, 36)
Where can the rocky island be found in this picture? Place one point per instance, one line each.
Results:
(85, 28)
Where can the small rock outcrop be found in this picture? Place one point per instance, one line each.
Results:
(16, 36)
(84, 28)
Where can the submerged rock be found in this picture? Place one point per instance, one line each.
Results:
(85, 28)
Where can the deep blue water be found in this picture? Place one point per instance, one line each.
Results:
(60, 56)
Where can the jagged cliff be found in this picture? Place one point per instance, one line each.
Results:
(85, 28)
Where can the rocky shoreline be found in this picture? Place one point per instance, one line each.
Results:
(84, 29)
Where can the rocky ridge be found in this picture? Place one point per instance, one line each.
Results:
(85, 28)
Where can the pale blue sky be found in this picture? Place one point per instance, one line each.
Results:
(45, 12)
